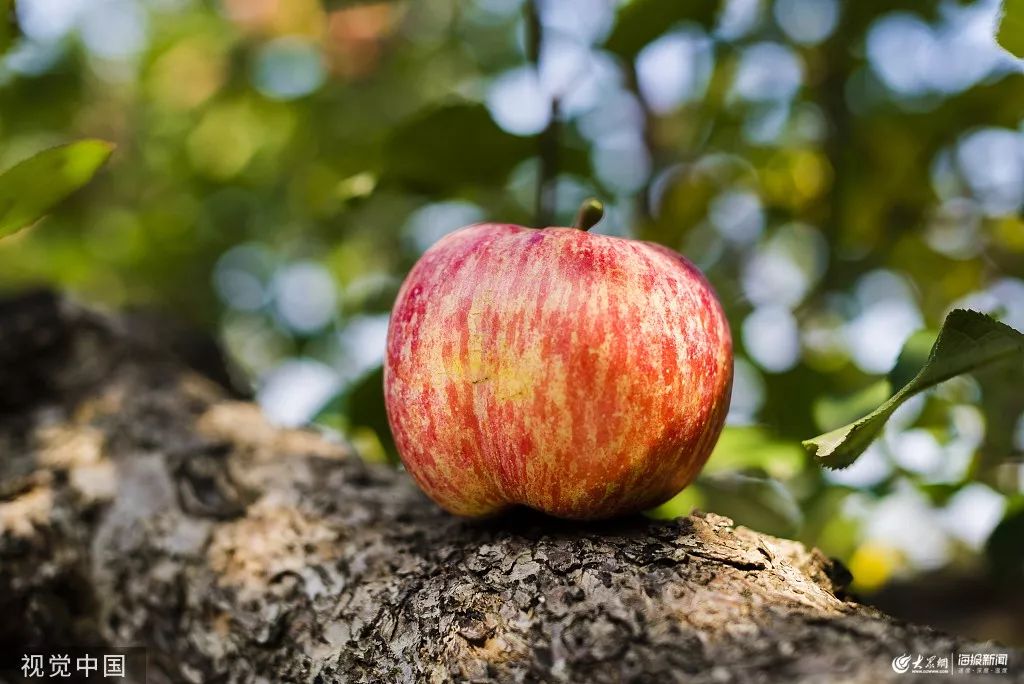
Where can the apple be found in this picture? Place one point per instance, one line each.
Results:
(582, 375)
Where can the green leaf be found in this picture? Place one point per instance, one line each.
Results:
(747, 447)
(1011, 28)
(30, 188)
(365, 408)
(453, 145)
(1003, 548)
(1002, 404)
(8, 27)
(831, 412)
(759, 502)
(743, 457)
(679, 505)
(641, 21)
(968, 341)
(458, 145)
(911, 360)
(361, 407)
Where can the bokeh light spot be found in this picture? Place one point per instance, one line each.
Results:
(288, 68)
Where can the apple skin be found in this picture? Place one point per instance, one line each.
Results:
(581, 375)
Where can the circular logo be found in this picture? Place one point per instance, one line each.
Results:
(901, 664)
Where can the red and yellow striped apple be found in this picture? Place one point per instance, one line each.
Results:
(582, 375)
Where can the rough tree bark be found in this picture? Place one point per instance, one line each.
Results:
(139, 503)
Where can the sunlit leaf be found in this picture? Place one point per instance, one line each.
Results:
(828, 524)
(679, 505)
(968, 341)
(745, 447)
(911, 360)
(831, 412)
(738, 482)
(641, 21)
(30, 188)
(1011, 27)
(750, 497)
(761, 503)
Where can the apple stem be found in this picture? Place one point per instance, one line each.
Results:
(590, 213)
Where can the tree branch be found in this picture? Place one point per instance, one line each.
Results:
(549, 140)
(644, 208)
(139, 505)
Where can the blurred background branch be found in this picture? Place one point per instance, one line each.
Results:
(549, 140)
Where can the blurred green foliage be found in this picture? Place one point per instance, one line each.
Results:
(639, 23)
(967, 341)
(31, 187)
(1011, 27)
(8, 27)
(846, 173)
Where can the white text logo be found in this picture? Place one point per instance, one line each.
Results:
(901, 664)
